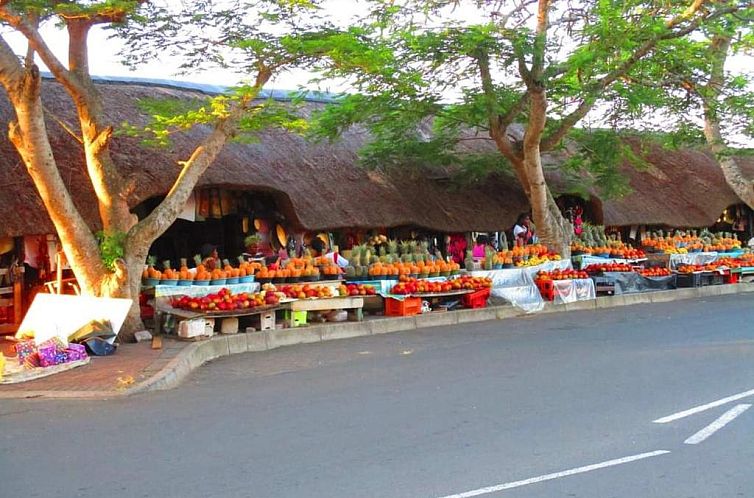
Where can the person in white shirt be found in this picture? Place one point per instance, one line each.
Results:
(318, 248)
(522, 230)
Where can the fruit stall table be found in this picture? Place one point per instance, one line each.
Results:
(692, 258)
(703, 278)
(183, 315)
(352, 304)
(573, 290)
(516, 285)
(382, 287)
(413, 303)
(631, 282)
(164, 293)
(743, 274)
(584, 260)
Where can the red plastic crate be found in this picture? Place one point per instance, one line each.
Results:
(476, 299)
(408, 307)
(546, 289)
(147, 312)
(731, 277)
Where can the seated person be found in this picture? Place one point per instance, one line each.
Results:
(523, 231)
(210, 258)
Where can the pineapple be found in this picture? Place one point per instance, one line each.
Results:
(469, 261)
(503, 242)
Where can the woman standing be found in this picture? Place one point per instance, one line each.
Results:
(478, 251)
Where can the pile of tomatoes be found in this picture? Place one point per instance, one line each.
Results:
(466, 282)
(609, 267)
(417, 286)
(561, 275)
(655, 272)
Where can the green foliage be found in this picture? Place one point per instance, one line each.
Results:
(434, 110)
(111, 247)
(170, 116)
(255, 39)
(118, 9)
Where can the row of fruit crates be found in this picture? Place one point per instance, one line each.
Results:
(703, 279)
(413, 305)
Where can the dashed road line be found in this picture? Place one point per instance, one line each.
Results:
(718, 424)
(557, 475)
(701, 408)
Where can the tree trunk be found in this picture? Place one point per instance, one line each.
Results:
(128, 286)
(743, 187)
(29, 135)
(553, 230)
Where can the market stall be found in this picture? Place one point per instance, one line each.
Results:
(583, 261)
(632, 282)
(411, 296)
(691, 258)
(517, 286)
(565, 285)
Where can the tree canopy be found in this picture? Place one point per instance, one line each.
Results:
(519, 76)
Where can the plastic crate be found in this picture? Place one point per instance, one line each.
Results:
(408, 307)
(732, 277)
(546, 289)
(476, 299)
(713, 279)
(548, 295)
(688, 280)
(299, 317)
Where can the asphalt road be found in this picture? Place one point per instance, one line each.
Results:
(430, 413)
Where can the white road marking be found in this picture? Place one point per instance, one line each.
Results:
(701, 408)
(718, 424)
(557, 475)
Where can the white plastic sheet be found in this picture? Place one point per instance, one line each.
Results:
(570, 291)
(692, 258)
(60, 315)
(516, 285)
(594, 260)
(630, 282)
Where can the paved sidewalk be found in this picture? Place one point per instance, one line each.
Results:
(104, 377)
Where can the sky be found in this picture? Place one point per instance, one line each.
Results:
(104, 60)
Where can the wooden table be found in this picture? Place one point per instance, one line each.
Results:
(353, 304)
(181, 314)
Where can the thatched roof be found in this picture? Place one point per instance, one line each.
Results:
(322, 183)
(683, 188)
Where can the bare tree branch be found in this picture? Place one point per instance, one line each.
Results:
(151, 227)
(37, 43)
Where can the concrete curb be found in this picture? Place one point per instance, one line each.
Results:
(173, 373)
(198, 353)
